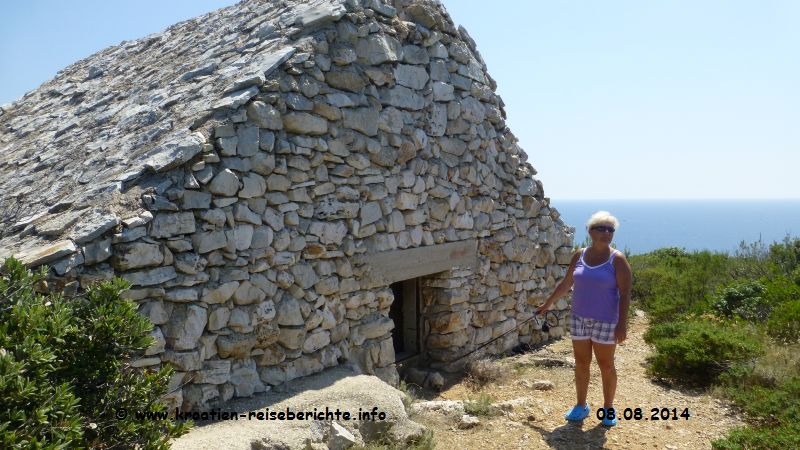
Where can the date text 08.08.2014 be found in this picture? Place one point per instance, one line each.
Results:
(662, 413)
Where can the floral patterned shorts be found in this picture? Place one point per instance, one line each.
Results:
(583, 328)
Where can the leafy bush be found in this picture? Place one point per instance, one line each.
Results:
(785, 255)
(670, 282)
(759, 283)
(784, 323)
(751, 261)
(774, 411)
(65, 372)
(697, 352)
(764, 438)
(772, 405)
(669, 255)
(781, 289)
(743, 300)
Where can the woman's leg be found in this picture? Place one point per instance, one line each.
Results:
(582, 349)
(605, 359)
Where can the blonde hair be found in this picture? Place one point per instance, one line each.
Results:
(602, 217)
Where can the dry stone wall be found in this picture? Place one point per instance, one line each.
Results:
(376, 129)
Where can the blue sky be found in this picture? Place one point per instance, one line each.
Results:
(610, 100)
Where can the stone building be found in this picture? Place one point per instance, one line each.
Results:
(288, 186)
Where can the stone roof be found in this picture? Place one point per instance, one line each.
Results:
(73, 150)
(68, 147)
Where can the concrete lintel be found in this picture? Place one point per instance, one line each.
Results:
(386, 268)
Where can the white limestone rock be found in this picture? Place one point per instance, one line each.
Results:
(329, 232)
(213, 372)
(150, 277)
(185, 326)
(316, 340)
(247, 141)
(292, 337)
(225, 183)
(264, 312)
(378, 49)
(247, 294)
(254, 185)
(288, 313)
(137, 255)
(235, 345)
(442, 92)
(204, 242)
(364, 120)
(264, 115)
(402, 97)
(371, 330)
(414, 77)
(245, 379)
(158, 342)
(221, 293)
(305, 123)
(239, 321)
(218, 318)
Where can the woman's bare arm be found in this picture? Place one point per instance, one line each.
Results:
(624, 282)
(563, 287)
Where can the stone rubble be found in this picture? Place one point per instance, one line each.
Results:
(231, 168)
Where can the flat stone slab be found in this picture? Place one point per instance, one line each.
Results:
(388, 267)
(47, 253)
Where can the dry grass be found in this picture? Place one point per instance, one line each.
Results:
(778, 364)
(483, 371)
(480, 406)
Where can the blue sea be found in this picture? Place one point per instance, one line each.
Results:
(717, 225)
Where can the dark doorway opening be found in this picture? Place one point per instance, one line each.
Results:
(405, 314)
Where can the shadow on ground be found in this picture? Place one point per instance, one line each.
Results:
(574, 435)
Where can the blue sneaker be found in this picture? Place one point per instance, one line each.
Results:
(609, 422)
(577, 413)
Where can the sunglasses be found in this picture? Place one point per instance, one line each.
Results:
(603, 228)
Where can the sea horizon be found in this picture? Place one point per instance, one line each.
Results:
(693, 224)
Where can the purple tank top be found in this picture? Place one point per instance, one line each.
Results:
(595, 294)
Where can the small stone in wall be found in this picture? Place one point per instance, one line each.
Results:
(209, 241)
(236, 345)
(220, 294)
(247, 294)
(304, 123)
(264, 115)
(225, 183)
(150, 277)
(138, 255)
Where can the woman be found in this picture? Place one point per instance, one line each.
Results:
(600, 300)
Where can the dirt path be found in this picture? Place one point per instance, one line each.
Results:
(539, 421)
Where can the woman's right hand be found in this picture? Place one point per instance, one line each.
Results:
(541, 309)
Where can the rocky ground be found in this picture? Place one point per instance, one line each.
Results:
(529, 395)
(532, 418)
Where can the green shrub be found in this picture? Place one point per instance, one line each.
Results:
(781, 289)
(697, 352)
(785, 255)
(774, 412)
(670, 283)
(784, 322)
(744, 300)
(768, 405)
(669, 255)
(65, 372)
(763, 438)
(480, 405)
(751, 261)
